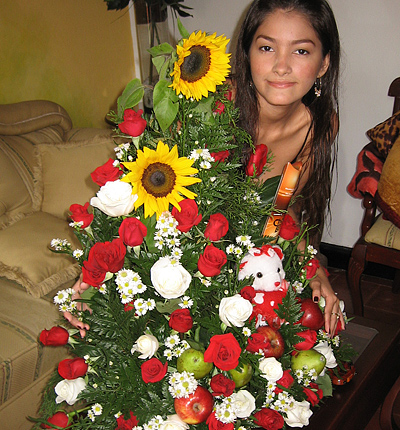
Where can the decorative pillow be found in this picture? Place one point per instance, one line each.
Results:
(385, 134)
(64, 177)
(384, 233)
(388, 194)
(25, 256)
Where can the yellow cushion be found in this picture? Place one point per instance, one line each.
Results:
(388, 194)
(65, 172)
(384, 233)
(26, 258)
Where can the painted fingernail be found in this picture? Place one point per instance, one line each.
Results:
(316, 299)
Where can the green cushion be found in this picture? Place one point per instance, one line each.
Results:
(384, 233)
(26, 259)
(65, 172)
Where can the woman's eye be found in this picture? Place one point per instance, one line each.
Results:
(302, 51)
(266, 48)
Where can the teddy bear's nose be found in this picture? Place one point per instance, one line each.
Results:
(259, 275)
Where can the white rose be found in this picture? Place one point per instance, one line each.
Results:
(169, 280)
(115, 198)
(271, 369)
(147, 345)
(299, 415)
(69, 389)
(235, 310)
(173, 422)
(325, 349)
(243, 403)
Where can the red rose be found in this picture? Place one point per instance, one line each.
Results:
(269, 419)
(133, 123)
(128, 424)
(311, 268)
(217, 227)
(289, 228)
(106, 173)
(220, 156)
(72, 368)
(224, 351)
(153, 370)
(56, 336)
(181, 320)
(92, 275)
(211, 261)
(188, 216)
(256, 342)
(221, 385)
(248, 293)
(310, 338)
(286, 381)
(314, 393)
(108, 256)
(129, 306)
(132, 231)
(220, 106)
(215, 424)
(257, 160)
(59, 419)
(80, 213)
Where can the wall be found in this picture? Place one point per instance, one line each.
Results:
(370, 32)
(72, 52)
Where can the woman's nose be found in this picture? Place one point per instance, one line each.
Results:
(282, 64)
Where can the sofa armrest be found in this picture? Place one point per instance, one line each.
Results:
(28, 116)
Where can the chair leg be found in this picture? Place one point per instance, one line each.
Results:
(355, 270)
(396, 282)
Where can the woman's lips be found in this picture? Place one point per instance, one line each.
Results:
(281, 84)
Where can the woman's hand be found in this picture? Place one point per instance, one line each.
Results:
(79, 287)
(322, 288)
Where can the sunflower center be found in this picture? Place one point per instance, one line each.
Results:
(197, 64)
(158, 179)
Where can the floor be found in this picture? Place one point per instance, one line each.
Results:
(379, 304)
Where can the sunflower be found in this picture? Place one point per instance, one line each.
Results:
(202, 65)
(159, 178)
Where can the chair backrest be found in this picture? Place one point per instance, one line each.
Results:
(394, 91)
(386, 420)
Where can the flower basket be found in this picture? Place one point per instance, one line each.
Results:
(187, 315)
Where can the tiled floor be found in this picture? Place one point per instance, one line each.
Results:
(379, 301)
(379, 304)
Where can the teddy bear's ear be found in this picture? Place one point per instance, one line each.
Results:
(278, 251)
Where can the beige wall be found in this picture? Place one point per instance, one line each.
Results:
(72, 52)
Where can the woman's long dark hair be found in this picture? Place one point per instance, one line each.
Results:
(315, 196)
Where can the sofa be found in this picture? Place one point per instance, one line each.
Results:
(45, 166)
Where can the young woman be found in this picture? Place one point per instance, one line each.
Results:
(286, 78)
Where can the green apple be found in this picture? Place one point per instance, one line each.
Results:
(241, 375)
(310, 358)
(192, 361)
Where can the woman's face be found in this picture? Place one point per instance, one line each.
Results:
(285, 58)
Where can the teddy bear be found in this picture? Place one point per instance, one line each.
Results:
(270, 286)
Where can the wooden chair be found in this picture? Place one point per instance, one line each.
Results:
(364, 252)
(386, 416)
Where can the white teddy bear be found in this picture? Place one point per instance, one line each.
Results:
(270, 286)
(265, 264)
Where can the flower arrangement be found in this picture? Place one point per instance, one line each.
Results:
(192, 317)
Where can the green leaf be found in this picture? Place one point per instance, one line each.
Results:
(163, 49)
(165, 102)
(168, 307)
(269, 190)
(130, 97)
(182, 30)
(325, 383)
(158, 63)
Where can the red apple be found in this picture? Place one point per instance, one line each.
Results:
(196, 408)
(275, 345)
(312, 317)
